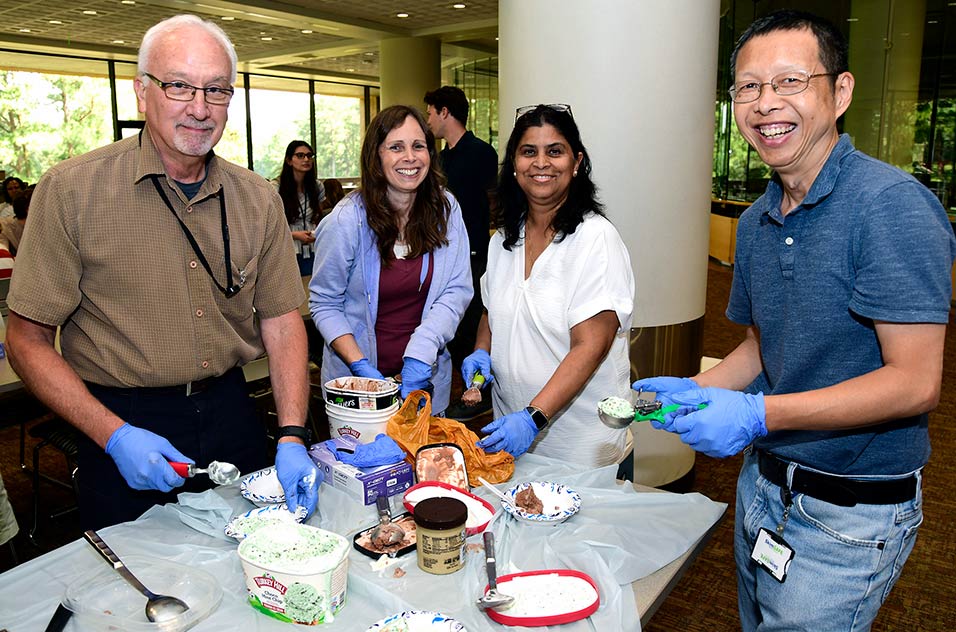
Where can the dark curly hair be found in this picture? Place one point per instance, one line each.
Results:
(511, 209)
(3, 191)
(288, 190)
(427, 227)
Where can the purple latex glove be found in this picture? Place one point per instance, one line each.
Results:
(416, 375)
(731, 421)
(478, 362)
(299, 477)
(143, 458)
(512, 433)
(363, 368)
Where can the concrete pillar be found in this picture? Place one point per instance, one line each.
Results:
(640, 76)
(886, 47)
(408, 68)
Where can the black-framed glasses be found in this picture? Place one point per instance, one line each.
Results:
(557, 107)
(304, 155)
(182, 91)
(785, 84)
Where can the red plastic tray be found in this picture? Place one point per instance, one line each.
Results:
(555, 619)
(468, 531)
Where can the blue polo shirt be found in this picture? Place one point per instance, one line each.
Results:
(868, 243)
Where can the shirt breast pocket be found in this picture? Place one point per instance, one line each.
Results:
(240, 307)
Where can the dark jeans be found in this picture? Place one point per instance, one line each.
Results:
(219, 424)
(464, 341)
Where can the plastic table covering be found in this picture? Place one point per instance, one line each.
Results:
(619, 536)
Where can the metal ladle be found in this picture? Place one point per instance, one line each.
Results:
(219, 472)
(644, 410)
(387, 533)
(159, 608)
(493, 598)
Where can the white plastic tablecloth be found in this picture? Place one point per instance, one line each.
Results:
(619, 536)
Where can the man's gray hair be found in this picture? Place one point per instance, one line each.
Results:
(179, 21)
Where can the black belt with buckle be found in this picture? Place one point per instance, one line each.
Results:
(187, 389)
(837, 490)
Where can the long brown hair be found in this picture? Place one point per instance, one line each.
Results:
(427, 227)
(289, 190)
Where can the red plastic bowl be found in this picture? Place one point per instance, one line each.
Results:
(457, 491)
(555, 619)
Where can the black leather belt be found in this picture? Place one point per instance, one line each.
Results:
(837, 490)
(187, 389)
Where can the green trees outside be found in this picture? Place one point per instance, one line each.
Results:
(45, 119)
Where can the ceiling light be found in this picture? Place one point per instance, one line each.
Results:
(370, 54)
(119, 41)
(24, 30)
(350, 70)
(459, 5)
(228, 18)
(306, 31)
(266, 39)
(55, 22)
(127, 1)
(401, 15)
(89, 12)
(853, 19)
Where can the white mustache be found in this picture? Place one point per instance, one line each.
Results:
(194, 123)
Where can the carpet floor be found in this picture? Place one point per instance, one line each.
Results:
(705, 599)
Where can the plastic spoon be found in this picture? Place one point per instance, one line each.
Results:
(159, 608)
(644, 410)
(494, 490)
(219, 472)
(493, 598)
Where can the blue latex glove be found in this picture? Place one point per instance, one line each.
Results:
(731, 421)
(364, 368)
(663, 386)
(382, 451)
(299, 477)
(416, 375)
(478, 362)
(142, 458)
(512, 433)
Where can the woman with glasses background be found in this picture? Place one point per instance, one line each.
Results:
(558, 292)
(392, 273)
(302, 194)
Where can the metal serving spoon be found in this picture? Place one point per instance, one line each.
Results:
(219, 472)
(159, 608)
(493, 598)
(387, 532)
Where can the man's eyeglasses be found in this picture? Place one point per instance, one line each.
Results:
(302, 155)
(785, 84)
(557, 107)
(181, 91)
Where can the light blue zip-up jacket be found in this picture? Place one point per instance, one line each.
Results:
(343, 292)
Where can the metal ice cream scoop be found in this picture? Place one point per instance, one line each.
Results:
(219, 472)
(617, 412)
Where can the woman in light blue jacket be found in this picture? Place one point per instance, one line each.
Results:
(392, 273)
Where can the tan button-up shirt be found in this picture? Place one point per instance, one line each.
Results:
(105, 258)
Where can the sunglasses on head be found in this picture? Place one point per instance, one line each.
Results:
(557, 107)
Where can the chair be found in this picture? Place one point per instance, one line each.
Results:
(59, 434)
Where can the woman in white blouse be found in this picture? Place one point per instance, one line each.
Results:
(559, 293)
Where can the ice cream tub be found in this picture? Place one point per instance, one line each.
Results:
(361, 393)
(296, 573)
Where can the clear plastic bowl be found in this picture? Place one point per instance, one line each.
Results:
(103, 600)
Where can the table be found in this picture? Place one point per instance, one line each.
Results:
(36, 586)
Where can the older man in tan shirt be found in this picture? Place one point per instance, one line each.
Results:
(167, 268)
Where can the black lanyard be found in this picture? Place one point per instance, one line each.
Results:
(231, 289)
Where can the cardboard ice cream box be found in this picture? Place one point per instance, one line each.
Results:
(362, 484)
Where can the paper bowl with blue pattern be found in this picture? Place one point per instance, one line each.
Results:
(560, 503)
(262, 488)
(419, 621)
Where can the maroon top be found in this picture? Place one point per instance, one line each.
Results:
(401, 303)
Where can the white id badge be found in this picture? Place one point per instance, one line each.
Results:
(773, 554)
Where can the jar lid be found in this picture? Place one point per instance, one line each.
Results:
(441, 513)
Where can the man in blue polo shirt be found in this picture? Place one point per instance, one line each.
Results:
(842, 276)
